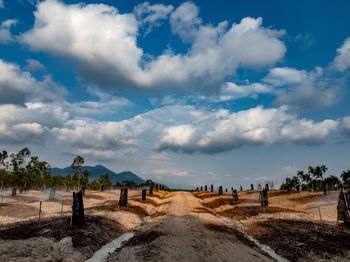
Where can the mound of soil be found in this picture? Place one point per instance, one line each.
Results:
(147, 201)
(205, 195)
(114, 206)
(88, 238)
(243, 212)
(18, 210)
(302, 240)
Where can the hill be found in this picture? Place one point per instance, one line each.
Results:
(97, 171)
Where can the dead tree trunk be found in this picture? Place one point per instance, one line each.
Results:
(14, 191)
(220, 190)
(123, 200)
(52, 194)
(78, 217)
(144, 192)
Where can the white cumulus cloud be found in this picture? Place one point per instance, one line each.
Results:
(342, 61)
(104, 42)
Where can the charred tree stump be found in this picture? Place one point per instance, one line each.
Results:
(251, 187)
(14, 192)
(52, 194)
(123, 200)
(211, 188)
(235, 195)
(144, 192)
(151, 190)
(78, 217)
(264, 201)
(220, 190)
(325, 189)
(205, 188)
(83, 188)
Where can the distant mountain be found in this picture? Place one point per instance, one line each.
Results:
(97, 171)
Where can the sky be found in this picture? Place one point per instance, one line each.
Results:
(184, 93)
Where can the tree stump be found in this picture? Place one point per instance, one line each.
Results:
(251, 187)
(14, 191)
(102, 188)
(83, 188)
(52, 194)
(123, 200)
(211, 188)
(226, 189)
(235, 195)
(201, 188)
(151, 190)
(205, 188)
(264, 201)
(241, 188)
(78, 217)
(144, 192)
(267, 187)
(220, 190)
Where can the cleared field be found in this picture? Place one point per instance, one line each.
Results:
(291, 224)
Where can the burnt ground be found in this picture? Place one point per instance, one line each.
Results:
(114, 206)
(303, 240)
(244, 212)
(88, 238)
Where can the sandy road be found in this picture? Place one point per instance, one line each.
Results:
(186, 233)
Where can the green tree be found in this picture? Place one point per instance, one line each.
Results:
(105, 180)
(94, 185)
(318, 172)
(333, 182)
(76, 166)
(345, 176)
(18, 162)
(3, 168)
(85, 177)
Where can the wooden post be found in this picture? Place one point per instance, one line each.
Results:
(220, 190)
(211, 188)
(52, 194)
(78, 217)
(205, 188)
(241, 188)
(151, 190)
(123, 200)
(102, 188)
(251, 187)
(144, 192)
(201, 188)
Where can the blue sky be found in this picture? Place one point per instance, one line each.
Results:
(185, 93)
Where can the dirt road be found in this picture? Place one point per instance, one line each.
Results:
(187, 233)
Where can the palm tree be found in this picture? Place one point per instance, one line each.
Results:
(317, 172)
